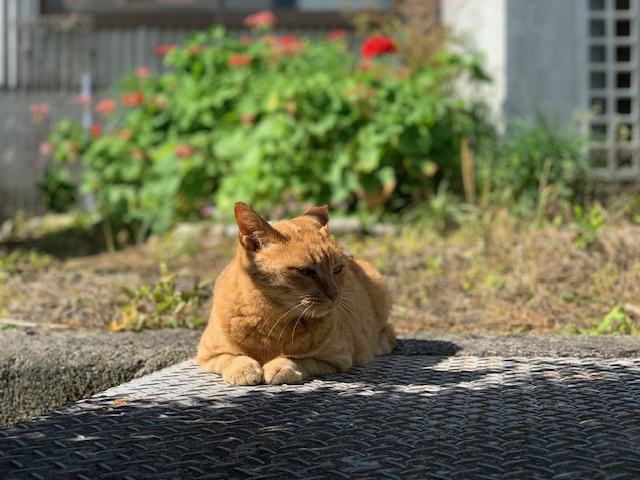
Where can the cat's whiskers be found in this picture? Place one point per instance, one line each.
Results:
(349, 308)
(284, 327)
(293, 332)
(281, 317)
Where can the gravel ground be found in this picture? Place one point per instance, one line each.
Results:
(41, 369)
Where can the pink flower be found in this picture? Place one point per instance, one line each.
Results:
(365, 64)
(143, 72)
(46, 148)
(260, 20)
(285, 45)
(183, 151)
(105, 106)
(336, 35)
(83, 99)
(162, 50)
(38, 111)
(159, 101)
(378, 45)
(71, 147)
(139, 154)
(248, 118)
(132, 99)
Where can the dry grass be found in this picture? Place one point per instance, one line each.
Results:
(507, 278)
(498, 277)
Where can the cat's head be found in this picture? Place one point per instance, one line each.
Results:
(296, 263)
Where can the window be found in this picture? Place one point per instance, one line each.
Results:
(614, 125)
(325, 13)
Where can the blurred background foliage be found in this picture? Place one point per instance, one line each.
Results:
(280, 121)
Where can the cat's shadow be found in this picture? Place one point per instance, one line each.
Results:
(402, 367)
(414, 347)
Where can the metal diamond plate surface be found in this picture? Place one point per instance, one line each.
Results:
(398, 418)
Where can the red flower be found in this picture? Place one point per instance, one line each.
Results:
(360, 91)
(336, 35)
(162, 50)
(96, 130)
(262, 19)
(143, 72)
(246, 40)
(183, 150)
(132, 99)
(378, 45)
(236, 60)
(106, 106)
(290, 45)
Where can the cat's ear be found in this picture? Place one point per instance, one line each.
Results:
(254, 232)
(319, 213)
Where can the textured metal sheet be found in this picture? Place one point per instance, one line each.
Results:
(400, 417)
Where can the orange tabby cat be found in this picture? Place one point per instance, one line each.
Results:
(292, 304)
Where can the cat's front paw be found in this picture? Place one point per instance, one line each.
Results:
(243, 371)
(281, 370)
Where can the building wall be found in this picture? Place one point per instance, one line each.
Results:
(481, 28)
(546, 68)
(535, 53)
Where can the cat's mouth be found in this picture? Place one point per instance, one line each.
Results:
(317, 307)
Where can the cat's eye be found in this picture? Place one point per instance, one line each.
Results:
(307, 272)
(337, 270)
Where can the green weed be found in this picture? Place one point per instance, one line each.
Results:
(19, 261)
(616, 322)
(162, 305)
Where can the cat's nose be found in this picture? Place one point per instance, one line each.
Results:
(331, 291)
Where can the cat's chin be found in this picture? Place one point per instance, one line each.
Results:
(323, 310)
(319, 310)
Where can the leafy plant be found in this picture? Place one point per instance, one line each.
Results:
(162, 305)
(57, 190)
(268, 120)
(533, 163)
(442, 211)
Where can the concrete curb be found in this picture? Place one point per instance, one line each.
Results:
(42, 370)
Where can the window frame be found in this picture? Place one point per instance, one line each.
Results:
(177, 17)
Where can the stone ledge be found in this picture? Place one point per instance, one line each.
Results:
(41, 370)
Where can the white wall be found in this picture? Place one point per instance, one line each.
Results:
(481, 24)
(536, 53)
